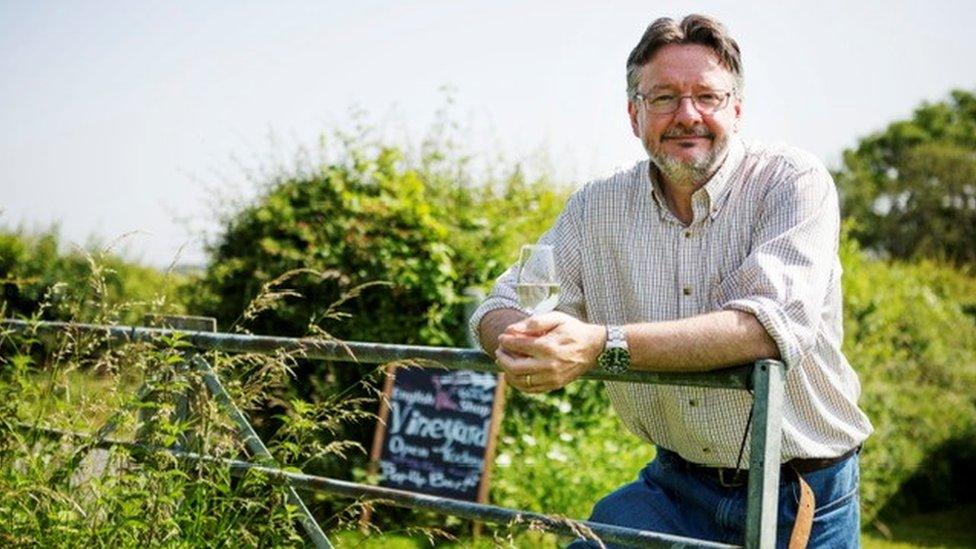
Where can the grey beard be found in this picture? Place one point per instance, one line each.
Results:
(689, 174)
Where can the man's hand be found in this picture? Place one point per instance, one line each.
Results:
(546, 352)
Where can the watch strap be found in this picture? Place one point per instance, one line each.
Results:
(615, 338)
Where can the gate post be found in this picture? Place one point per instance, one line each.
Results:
(768, 377)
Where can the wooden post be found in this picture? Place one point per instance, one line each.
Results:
(376, 451)
(497, 412)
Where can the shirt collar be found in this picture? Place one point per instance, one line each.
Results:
(715, 190)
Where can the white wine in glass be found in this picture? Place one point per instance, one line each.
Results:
(537, 285)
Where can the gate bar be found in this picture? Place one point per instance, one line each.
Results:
(372, 353)
(764, 454)
(257, 447)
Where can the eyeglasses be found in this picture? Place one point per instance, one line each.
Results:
(707, 102)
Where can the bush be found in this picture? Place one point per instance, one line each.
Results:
(913, 344)
(420, 227)
(60, 491)
(104, 288)
(555, 458)
(371, 213)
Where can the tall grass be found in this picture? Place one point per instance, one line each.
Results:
(66, 491)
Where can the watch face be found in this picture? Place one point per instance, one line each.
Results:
(615, 360)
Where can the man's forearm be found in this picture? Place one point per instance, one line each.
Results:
(700, 343)
(493, 324)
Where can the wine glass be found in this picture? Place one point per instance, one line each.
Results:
(537, 286)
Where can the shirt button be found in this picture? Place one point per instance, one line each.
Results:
(705, 450)
(687, 234)
(692, 402)
(686, 290)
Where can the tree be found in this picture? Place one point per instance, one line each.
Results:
(911, 188)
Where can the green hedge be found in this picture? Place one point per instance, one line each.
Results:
(422, 226)
(911, 336)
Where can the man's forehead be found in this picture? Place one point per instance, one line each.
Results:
(685, 65)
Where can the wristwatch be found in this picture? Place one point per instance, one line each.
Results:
(615, 357)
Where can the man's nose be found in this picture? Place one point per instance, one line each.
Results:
(687, 113)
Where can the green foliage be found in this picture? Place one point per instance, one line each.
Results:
(368, 215)
(913, 344)
(946, 528)
(911, 186)
(554, 459)
(34, 270)
(377, 245)
(59, 490)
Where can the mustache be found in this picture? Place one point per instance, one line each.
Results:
(696, 131)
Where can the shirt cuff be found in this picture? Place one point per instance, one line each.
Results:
(772, 317)
(487, 306)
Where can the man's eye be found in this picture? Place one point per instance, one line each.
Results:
(662, 99)
(708, 98)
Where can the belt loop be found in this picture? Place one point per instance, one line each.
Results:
(736, 480)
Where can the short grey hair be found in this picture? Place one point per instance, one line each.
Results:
(693, 29)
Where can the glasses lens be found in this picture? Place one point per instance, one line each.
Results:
(709, 102)
(662, 104)
(706, 102)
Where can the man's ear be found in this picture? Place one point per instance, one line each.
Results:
(632, 113)
(737, 106)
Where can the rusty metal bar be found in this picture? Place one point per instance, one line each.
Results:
(373, 353)
(257, 447)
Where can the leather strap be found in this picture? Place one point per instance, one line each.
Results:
(804, 516)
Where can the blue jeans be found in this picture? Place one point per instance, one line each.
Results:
(670, 498)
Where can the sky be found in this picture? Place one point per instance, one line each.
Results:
(137, 118)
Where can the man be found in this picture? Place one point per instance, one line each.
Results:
(710, 254)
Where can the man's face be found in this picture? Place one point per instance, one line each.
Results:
(686, 145)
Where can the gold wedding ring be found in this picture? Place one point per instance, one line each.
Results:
(528, 380)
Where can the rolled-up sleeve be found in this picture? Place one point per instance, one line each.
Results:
(565, 238)
(785, 280)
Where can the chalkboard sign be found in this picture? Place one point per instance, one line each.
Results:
(437, 431)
